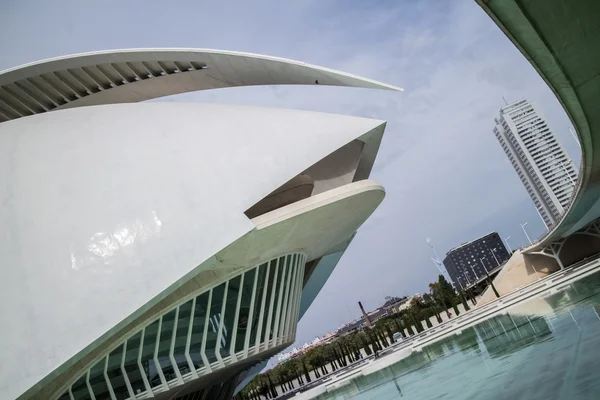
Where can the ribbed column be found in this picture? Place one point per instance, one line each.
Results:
(248, 314)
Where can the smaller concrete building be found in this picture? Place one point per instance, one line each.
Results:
(396, 304)
(469, 262)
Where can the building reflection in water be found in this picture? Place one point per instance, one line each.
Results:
(505, 334)
(540, 339)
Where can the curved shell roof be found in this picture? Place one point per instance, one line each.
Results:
(125, 76)
(124, 215)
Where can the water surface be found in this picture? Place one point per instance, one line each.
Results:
(544, 348)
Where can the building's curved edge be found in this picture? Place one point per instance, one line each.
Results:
(525, 36)
(56, 118)
(127, 76)
(83, 59)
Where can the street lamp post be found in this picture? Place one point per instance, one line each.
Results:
(467, 280)
(542, 218)
(474, 273)
(459, 284)
(467, 291)
(525, 232)
(567, 172)
(489, 280)
(482, 263)
(508, 245)
(495, 258)
(461, 293)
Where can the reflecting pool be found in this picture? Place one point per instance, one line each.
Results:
(544, 348)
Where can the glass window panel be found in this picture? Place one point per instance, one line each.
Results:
(148, 347)
(292, 272)
(262, 272)
(198, 329)
(164, 346)
(131, 367)
(183, 324)
(283, 261)
(291, 292)
(213, 322)
(80, 389)
(268, 332)
(269, 290)
(244, 315)
(65, 396)
(233, 293)
(294, 285)
(98, 381)
(115, 375)
(286, 293)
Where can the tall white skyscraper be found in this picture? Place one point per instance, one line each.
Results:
(540, 161)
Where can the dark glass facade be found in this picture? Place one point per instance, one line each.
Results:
(469, 262)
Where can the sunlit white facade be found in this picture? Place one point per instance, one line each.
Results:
(164, 250)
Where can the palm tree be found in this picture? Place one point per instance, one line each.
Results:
(364, 341)
(407, 322)
(272, 390)
(470, 296)
(437, 292)
(312, 359)
(305, 370)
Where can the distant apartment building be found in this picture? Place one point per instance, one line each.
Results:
(538, 158)
(469, 262)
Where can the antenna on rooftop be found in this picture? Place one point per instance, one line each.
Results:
(505, 102)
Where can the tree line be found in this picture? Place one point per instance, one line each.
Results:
(345, 350)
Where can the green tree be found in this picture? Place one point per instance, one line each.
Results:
(431, 304)
(364, 340)
(464, 301)
(447, 290)
(440, 296)
(304, 369)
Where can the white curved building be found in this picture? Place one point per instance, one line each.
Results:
(160, 250)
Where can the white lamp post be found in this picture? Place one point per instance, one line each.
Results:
(567, 172)
(542, 218)
(508, 245)
(474, 273)
(483, 264)
(467, 279)
(525, 232)
(495, 258)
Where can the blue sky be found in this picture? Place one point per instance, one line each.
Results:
(446, 176)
